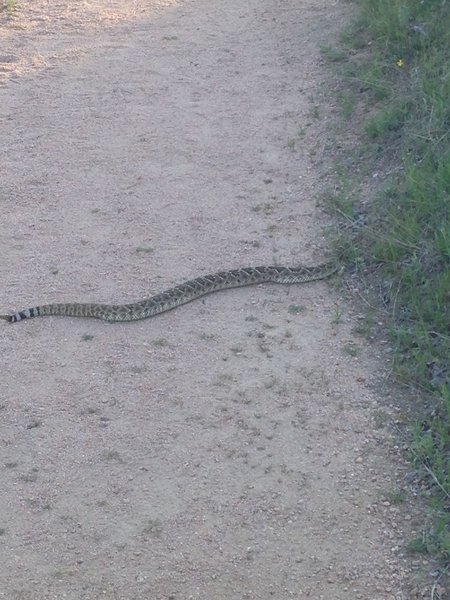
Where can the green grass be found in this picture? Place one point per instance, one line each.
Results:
(295, 309)
(337, 319)
(145, 249)
(352, 350)
(9, 6)
(334, 54)
(394, 496)
(394, 226)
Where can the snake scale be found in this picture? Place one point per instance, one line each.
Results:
(178, 295)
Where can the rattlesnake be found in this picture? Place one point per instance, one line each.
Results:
(178, 295)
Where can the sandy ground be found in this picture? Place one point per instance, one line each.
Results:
(238, 447)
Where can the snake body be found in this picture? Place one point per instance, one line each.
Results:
(176, 296)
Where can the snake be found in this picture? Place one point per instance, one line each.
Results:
(178, 295)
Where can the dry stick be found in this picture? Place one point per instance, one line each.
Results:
(436, 583)
(437, 334)
(433, 589)
(394, 304)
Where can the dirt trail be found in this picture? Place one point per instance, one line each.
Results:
(236, 447)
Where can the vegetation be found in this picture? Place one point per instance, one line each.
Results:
(8, 5)
(395, 68)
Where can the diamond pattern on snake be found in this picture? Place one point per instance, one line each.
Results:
(178, 295)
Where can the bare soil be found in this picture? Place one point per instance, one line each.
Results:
(237, 447)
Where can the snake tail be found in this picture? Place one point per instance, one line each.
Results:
(22, 314)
